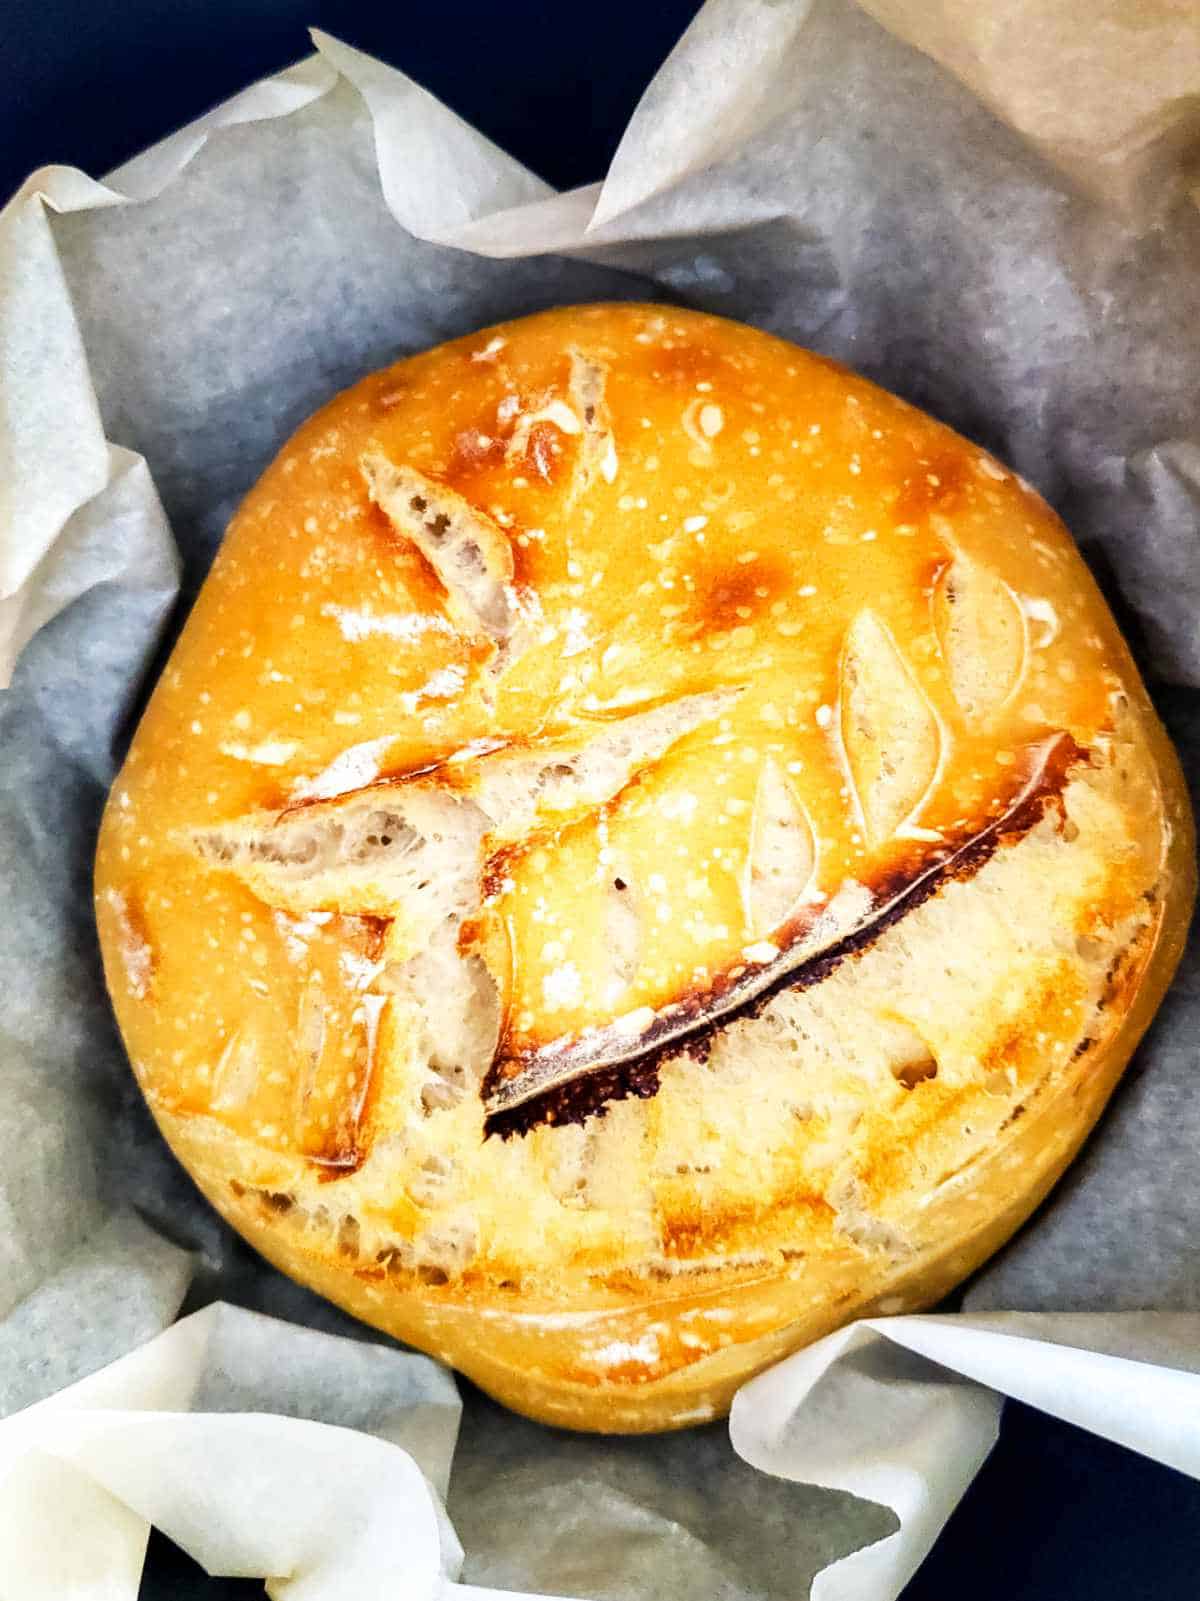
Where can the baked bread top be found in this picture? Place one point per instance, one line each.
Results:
(635, 808)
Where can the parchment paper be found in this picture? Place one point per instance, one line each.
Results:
(1032, 281)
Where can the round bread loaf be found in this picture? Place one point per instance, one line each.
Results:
(647, 848)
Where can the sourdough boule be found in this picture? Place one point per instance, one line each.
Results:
(647, 848)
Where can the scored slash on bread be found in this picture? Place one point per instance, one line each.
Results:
(598, 454)
(890, 734)
(783, 853)
(983, 636)
(466, 548)
(804, 951)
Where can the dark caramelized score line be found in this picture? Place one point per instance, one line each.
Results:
(585, 1090)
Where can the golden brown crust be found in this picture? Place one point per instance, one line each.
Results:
(623, 713)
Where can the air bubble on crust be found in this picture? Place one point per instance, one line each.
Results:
(910, 1057)
(431, 1182)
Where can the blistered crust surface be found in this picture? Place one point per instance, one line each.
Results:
(552, 692)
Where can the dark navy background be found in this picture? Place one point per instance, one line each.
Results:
(1055, 1514)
